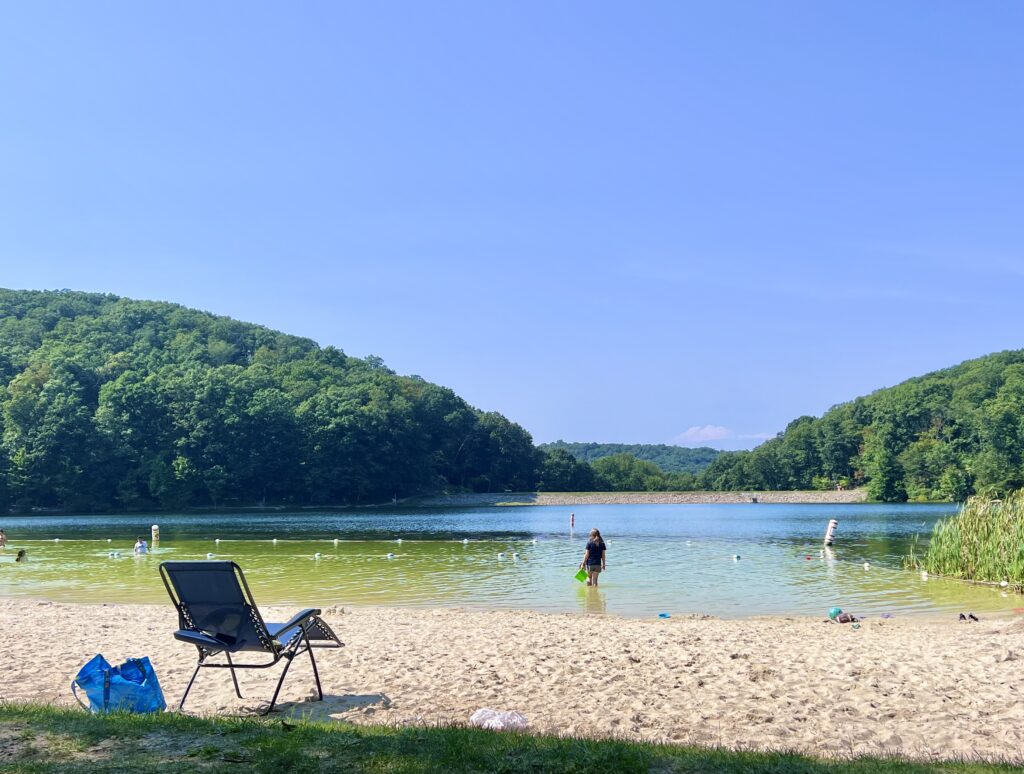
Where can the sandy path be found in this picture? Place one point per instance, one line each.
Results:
(926, 689)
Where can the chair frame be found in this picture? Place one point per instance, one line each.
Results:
(300, 625)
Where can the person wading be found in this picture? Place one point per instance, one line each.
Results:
(593, 557)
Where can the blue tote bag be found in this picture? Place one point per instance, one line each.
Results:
(131, 687)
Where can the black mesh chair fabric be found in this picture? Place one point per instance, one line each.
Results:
(211, 599)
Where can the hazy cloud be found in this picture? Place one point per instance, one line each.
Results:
(700, 435)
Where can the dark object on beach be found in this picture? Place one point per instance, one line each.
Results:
(972, 617)
(753, 499)
(963, 617)
(836, 615)
(217, 614)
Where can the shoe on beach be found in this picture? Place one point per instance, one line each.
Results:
(972, 617)
(963, 617)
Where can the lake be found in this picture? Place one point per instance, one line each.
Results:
(675, 559)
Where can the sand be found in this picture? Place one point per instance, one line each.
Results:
(924, 689)
(830, 497)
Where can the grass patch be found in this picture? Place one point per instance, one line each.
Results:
(46, 739)
(984, 542)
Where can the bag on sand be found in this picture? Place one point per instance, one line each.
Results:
(131, 687)
(498, 721)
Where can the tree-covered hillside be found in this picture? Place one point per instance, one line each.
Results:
(110, 403)
(671, 459)
(944, 435)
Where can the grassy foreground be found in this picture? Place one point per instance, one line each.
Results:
(46, 739)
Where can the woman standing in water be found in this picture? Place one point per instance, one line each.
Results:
(593, 557)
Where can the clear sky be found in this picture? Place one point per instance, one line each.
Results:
(632, 222)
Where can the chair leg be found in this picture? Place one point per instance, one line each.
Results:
(280, 682)
(316, 672)
(188, 688)
(234, 679)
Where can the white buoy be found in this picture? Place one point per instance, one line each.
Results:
(209, 556)
(56, 540)
(109, 540)
(515, 556)
(274, 541)
(154, 533)
(735, 557)
(110, 554)
(924, 575)
(217, 541)
(689, 542)
(465, 541)
(399, 541)
(391, 556)
(1004, 584)
(830, 532)
(335, 541)
(867, 566)
(317, 555)
(501, 555)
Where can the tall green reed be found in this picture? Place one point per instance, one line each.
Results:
(983, 542)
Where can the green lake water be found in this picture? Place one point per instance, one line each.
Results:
(661, 558)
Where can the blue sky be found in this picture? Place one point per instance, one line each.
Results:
(654, 222)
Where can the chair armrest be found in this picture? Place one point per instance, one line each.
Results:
(203, 640)
(276, 630)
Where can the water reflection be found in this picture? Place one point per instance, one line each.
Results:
(592, 599)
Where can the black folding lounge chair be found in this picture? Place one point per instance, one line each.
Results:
(217, 614)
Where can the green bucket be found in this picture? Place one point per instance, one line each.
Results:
(582, 575)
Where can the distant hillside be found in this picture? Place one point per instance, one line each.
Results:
(110, 403)
(671, 459)
(944, 435)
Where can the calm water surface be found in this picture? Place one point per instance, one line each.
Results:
(661, 558)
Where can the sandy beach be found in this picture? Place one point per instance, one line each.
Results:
(925, 689)
(832, 497)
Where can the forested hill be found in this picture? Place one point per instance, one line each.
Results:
(110, 403)
(944, 435)
(671, 459)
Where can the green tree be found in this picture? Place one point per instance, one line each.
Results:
(885, 477)
(561, 472)
(625, 473)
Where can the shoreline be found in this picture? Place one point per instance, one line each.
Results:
(831, 497)
(470, 499)
(922, 689)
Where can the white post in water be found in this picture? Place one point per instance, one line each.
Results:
(830, 533)
(155, 532)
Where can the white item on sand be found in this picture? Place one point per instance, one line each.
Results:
(494, 720)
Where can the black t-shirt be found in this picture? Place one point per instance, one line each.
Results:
(596, 552)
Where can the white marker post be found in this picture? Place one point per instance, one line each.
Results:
(154, 531)
(830, 533)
